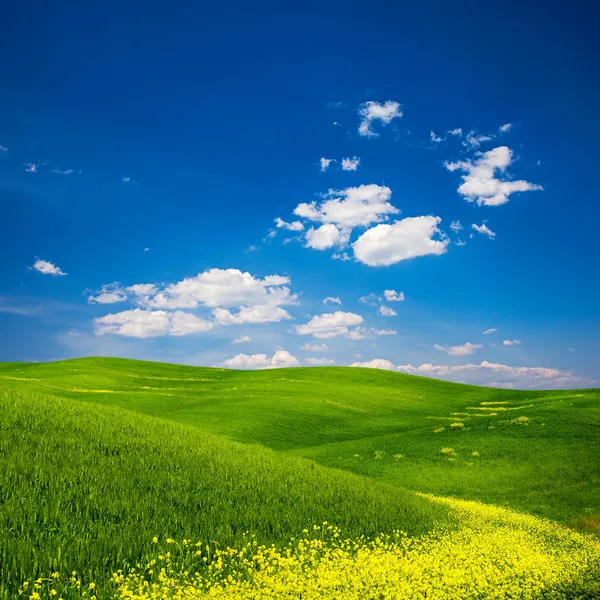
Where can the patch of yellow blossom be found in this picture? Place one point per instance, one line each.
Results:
(495, 553)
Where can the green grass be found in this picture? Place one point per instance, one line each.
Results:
(85, 487)
(99, 455)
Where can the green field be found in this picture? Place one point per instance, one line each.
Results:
(98, 456)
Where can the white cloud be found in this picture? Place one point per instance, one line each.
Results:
(511, 342)
(504, 128)
(280, 359)
(376, 363)
(374, 111)
(385, 245)
(261, 313)
(456, 226)
(126, 179)
(473, 140)
(463, 350)
(61, 172)
(435, 138)
(142, 292)
(484, 229)
(242, 340)
(146, 249)
(140, 323)
(332, 300)
(371, 300)
(47, 268)
(343, 256)
(329, 325)
(350, 164)
(363, 333)
(32, 167)
(481, 183)
(109, 294)
(386, 311)
(3, 149)
(218, 288)
(320, 361)
(325, 162)
(393, 296)
(326, 236)
(489, 374)
(458, 131)
(314, 347)
(489, 331)
(351, 207)
(294, 226)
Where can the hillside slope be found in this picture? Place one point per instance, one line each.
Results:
(535, 451)
(86, 487)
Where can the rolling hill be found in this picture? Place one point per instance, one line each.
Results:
(100, 455)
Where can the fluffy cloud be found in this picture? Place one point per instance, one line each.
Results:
(376, 363)
(329, 325)
(350, 164)
(332, 300)
(504, 128)
(140, 323)
(385, 245)
(489, 331)
(242, 340)
(481, 181)
(374, 111)
(463, 350)
(435, 138)
(320, 361)
(393, 296)
(314, 347)
(217, 288)
(261, 313)
(352, 207)
(47, 268)
(458, 131)
(511, 342)
(489, 374)
(32, 167)
(324, 162)
(386, 311)
(109, 294)
(326, 236)
(294, 226)
(280, 359)
(484, 229)
(456, 226)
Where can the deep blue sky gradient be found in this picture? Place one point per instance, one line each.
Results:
(219, 115)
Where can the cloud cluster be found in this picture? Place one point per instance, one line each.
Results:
(372, 112)
(351, 207)
(488, 374)
(222, 290)
(279, 360)
(485, 181)
(339, 324)
(144, 323)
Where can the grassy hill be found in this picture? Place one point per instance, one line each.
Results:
(97, 456)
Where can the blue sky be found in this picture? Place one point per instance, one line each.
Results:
(145, 147)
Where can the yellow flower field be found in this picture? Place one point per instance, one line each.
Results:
(494, 553)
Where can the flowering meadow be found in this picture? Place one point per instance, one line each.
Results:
(131, 480)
